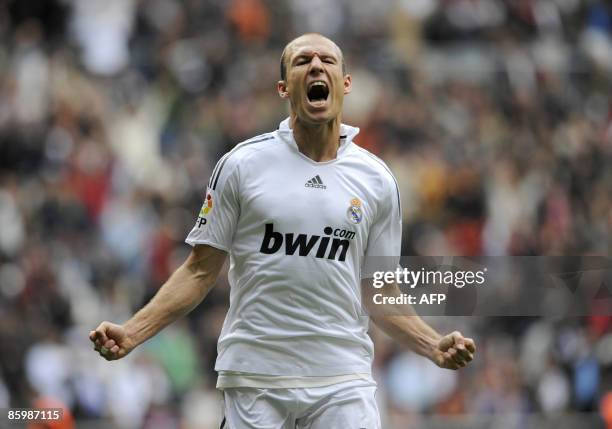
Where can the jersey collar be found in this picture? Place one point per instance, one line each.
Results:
(347, 134)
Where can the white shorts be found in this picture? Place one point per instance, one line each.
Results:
(347, 405)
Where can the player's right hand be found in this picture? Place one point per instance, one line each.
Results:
(111, 341)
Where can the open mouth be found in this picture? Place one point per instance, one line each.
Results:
(317, 92)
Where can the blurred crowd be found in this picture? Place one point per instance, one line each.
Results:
(494, 115)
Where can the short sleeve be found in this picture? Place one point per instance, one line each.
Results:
(218, 217)
(385, 237)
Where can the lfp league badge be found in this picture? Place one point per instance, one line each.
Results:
(354, 213)
(208, 205)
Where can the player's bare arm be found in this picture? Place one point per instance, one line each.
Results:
(183, 291)
(452, 351)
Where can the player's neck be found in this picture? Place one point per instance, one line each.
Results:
(318, 142)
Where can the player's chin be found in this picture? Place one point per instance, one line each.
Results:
(319, 115)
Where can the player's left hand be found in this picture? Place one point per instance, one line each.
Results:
(454, 351)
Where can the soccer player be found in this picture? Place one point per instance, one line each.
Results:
(298, 210)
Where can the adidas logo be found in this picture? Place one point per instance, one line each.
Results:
(315, 182)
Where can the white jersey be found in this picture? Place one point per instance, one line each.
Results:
(298, 232)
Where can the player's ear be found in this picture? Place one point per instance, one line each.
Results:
(348, 84)
(281, 87)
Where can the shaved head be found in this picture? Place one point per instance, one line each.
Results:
(289, 49)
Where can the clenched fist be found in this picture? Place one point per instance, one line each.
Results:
(111, 341)
(454, 351)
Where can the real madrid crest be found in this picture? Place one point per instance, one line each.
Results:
(354, 213)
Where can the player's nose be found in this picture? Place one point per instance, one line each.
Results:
(316, 65)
